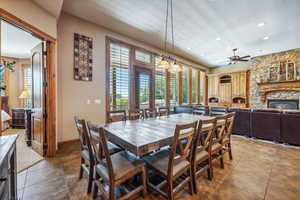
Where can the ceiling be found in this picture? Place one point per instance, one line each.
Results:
(15, 42)
(53, 6)
(206, 31)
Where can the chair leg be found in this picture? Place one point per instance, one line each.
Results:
(191, 182)
(111, 192)
(170, 191)
(193, 176)
(81, 169)
(90, 181)
(95, 187)
(230, 152)
(211, 170)
(144, 174)
(221, 159)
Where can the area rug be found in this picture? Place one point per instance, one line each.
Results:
(26, 157)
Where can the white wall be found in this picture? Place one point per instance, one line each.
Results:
(73, 95)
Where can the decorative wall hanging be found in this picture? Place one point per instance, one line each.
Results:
(274, 73)
(83, 57)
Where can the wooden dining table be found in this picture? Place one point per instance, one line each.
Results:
(146, 135)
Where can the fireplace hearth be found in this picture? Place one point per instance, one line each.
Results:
(283, 103)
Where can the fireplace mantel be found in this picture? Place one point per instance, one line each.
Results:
(268, 87)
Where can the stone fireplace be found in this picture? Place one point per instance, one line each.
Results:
(283, 103)
(261, 93)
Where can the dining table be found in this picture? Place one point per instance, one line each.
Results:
(143, 136)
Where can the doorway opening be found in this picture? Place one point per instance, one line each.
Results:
(22, 75)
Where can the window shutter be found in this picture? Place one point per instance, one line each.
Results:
(194, 86)
(119, 77)
(185, 92)
(160, 85)
(173, 89)
(144, 90)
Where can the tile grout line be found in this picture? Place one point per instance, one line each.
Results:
(269, 179)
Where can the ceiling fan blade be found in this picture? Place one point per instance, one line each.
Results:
(245, 57)
(243, 60)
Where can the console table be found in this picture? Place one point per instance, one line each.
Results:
(8, 167)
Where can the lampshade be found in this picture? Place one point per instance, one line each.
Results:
(175, 67)
(163, 63)
(25, 94)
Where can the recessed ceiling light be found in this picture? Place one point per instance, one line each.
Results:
(218, 38)
(266, 38)
(261, 24)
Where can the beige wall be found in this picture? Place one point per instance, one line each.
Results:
(15, 82)
(73, 95)
(242, 66)
(32, 14)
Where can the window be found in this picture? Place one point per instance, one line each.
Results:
(119, 80)
(173, 89)
(144, 90)
(27, 81)
(202, 80)
(160, 86)
(194, 85)
(185, 92)
(142, 56)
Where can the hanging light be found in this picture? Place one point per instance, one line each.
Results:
(167, 62)
(164, 63)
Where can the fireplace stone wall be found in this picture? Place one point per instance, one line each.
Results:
(259, 67)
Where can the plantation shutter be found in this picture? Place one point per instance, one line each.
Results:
(160, 85)
(173, 89)
(119, 77)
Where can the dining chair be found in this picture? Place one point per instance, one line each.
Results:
(201, 156)
(200, 110)
(226, 140)
(135, 114)
(115, 116)
(114, 169)
(163, 111)
(217, 146)
(174, 165)
(87, 162)
(150, 113)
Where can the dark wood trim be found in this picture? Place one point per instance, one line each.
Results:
(51, 76)
(24, 25)
(198, 86)
(190, 86)
(151, 52)
(67, 143)
(205, 89)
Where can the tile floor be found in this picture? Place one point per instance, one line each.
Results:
(258, 171)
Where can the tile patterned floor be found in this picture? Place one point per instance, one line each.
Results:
(259, 171)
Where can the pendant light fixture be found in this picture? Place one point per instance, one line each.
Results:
(167, 61)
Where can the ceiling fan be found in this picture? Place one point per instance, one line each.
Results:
(235, 58)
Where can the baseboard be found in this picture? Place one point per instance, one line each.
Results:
(69, 142)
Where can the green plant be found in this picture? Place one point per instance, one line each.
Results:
(8, 65)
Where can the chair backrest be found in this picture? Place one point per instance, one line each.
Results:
(220, 128)
(150, 113)
(99, 143)
(115, 116)
(200, 110)
(83, 136)
(206, 129)
(163, 111)
(229, 124)
(180, 151)
(135, 114)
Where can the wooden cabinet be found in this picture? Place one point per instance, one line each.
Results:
(228, 89)
(8, 168)
(18, 118)
(225, 90)
(213, 90)
(239, 84)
